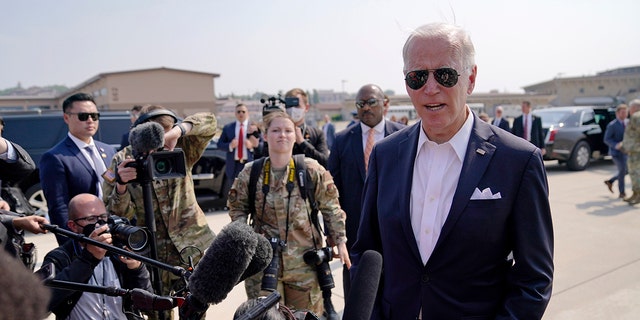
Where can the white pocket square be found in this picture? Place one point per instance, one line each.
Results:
(485, 194)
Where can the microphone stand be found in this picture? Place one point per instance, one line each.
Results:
(178, 271)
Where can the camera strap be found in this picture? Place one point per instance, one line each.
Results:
(297, 168)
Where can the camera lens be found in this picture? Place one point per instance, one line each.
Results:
(163, 166)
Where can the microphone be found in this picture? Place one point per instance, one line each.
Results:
(146, 137)
(236, 253)
(364, 287)
(145, 300)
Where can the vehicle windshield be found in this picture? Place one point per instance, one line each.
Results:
(559, 118)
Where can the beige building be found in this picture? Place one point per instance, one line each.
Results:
(185, 92)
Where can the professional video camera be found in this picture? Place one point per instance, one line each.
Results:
(160, 165)
(123, 233)
(274, 104)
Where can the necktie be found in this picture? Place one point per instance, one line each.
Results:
(525, 134)
(368, 148)
(240, 142)
(98, 167)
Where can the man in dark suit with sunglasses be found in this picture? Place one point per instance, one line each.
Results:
(457, 208)
(75, 165)
(347, 158)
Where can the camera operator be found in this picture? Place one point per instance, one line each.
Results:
(310, 141)
(78, 262)
(282, 215)
(180, 222)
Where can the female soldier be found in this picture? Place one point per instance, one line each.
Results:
(283, 215)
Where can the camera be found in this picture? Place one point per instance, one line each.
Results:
(160, 165)
(270, 274)
(290, 102)
(255, 134)
(123, 233)
(320, 258)
(272, 104)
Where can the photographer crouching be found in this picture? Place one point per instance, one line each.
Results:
(278, 207)
(78, 262)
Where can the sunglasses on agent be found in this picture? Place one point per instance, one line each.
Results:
(446, 77)
(373, 102)
(84, 116)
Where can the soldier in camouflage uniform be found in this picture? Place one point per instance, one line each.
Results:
(180, 222)
(284, 215)
(631, 145)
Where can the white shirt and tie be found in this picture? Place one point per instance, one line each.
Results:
(93, 156)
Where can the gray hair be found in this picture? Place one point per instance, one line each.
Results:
(457, 37)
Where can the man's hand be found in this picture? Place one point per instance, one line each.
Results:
(30, 223)
(299, 136)
(100, 234)
(130, 262)
(4, 205)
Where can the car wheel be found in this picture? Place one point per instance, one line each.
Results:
(35, 195)
(580, 157)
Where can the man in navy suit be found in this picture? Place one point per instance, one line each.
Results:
(499, 121)
(529, 127)
(239, 148)
(347, 157)
(458, 209)
(613, 135)
(75, 165)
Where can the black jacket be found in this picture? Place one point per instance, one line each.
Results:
(75, 264)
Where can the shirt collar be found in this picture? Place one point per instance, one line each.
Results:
(459, 141)
(379, 128)
(81, 144)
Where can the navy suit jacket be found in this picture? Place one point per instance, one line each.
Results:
(65, 173)
(612, 135)
(537, 133)
(504, 124)
(232, 167)
(346, 164)
(469, 273)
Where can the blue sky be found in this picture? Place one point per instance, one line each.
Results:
(272, 46)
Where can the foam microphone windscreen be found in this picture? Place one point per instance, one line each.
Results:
(223, 263)
(364, 287)
(146, 137)
(261, 258)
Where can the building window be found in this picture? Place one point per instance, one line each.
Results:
(103, 91)
(600, 87)
(581, 90)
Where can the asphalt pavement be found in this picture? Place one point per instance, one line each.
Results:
(597, 255)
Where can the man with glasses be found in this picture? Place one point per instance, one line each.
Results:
(83, 263)
(239, 140)
(348, 157)
(76, 164)
(457, 208)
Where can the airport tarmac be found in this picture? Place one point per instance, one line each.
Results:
(597, 250)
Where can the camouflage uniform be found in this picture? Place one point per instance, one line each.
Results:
(180, 222)
(297, 281)
(631, 145)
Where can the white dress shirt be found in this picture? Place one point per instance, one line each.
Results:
(436, 173)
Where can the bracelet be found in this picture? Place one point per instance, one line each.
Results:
(182, 130)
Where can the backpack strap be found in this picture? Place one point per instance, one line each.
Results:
(307, 188)
(256, 168)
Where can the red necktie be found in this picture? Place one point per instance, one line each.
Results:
(240, 142)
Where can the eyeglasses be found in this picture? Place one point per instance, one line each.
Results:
(84, 116)
(447, 77)
(93, 219)
(373, 102)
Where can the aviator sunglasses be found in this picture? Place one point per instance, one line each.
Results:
(447, 77)
(373, 102)
(84, 116)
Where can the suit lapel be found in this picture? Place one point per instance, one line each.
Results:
(357, 149)
(478, 156)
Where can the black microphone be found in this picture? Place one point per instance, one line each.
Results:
(146, 137)
(364, 287)
(223, 266)
(145, 300)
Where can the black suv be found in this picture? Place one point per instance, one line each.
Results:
(574, 135)
(39, 131)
